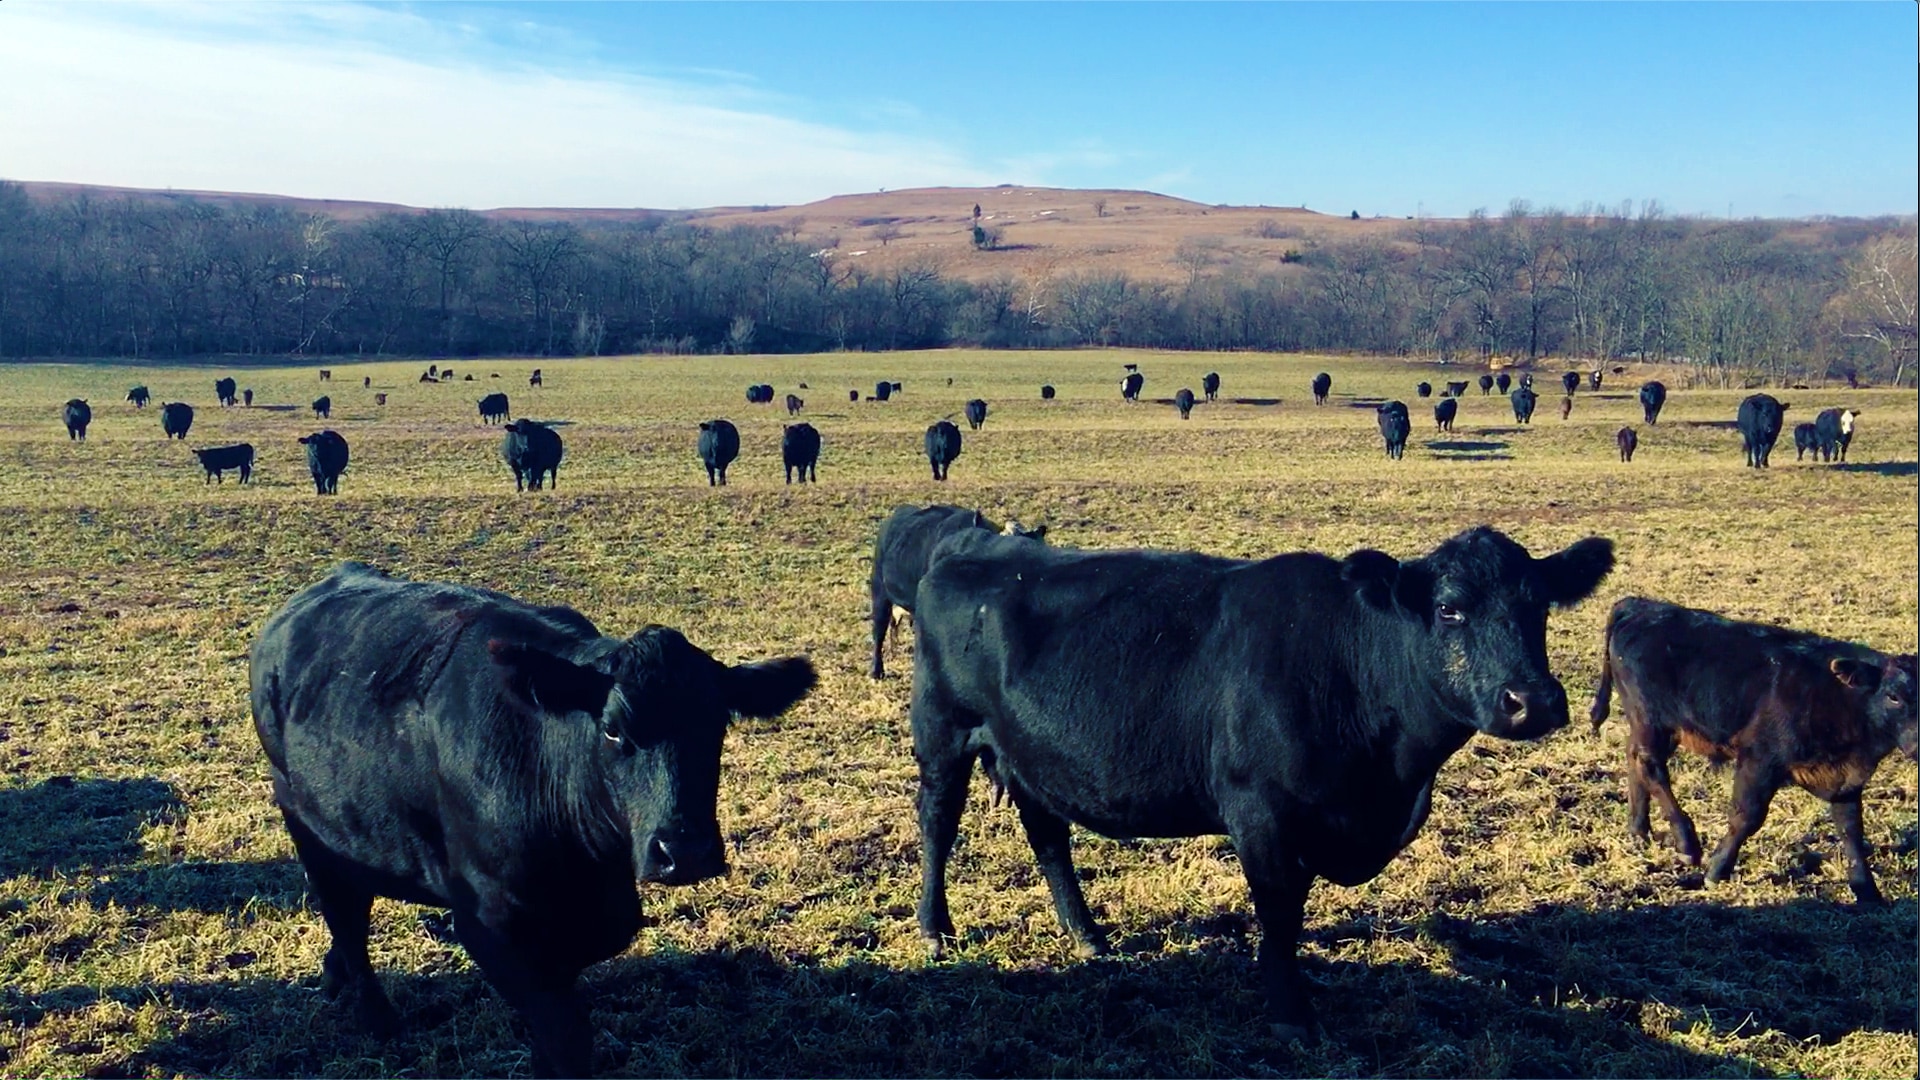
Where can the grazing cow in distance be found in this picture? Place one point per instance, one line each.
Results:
(323, 408)
(1131, 385)
(466, 378)
(379, 399)
(1503, 382)
(535, 379)
(800, 449)
(1760, 418)
(426, 377)
(718, 445)
(759, 394)
(1486, 385)
(433, 371)
(326, 460)
(449, 745)
(943, 446)
(1394, 428)
(1424, 389)
(1183, 400)
(246, 397)
(216, 460)
(532, 450)
(1322, 384)
(326, 375)
(853, 396)
(366, 382)
(1210, 385)
(77, 414)
(176, 417)
(902, 551)
(1170, 694)
(494, 407)
(1046, 393)
(1593, 379)
(1566, 407)
(1782, 705)
(976, 413)
(1456, 389)
(1444, 411)
(1833, 429)
(1806, 437)
(1653, 397)
(139, 395)
(1526, 380)
(882, 391)
(898, 388)
(794, 404)
(1571, 380)
(226, 390)
(1628, 439)
(446, 374)
(1523, 399)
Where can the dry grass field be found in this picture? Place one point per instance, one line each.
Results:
(153, 923)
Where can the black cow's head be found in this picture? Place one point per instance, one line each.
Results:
(1886, 695)
(661, 706)
(1478, 605)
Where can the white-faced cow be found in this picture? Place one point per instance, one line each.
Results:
(1131, 385)
(1833, 431)
(1300, 705)
(447, 745)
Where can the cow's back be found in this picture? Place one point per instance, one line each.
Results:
(905, 543)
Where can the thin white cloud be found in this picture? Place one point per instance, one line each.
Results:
(348, 101)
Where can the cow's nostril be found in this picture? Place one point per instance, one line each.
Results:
(658, 854)
(1512, 704)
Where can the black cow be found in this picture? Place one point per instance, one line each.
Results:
(427, 376)
(366, 382)
(216, 460)
(226, 390)
(759, 394)
(246, 397)
(1628, 440)
(1503, 382)
(1526, 380)
(326, 375)
(1761, 417)
(326, 460)
(1593, 379)
(853, 396)
(535, 379)
(1183, 400)
(1395, 426)
(1322, 383)
(494, 407)
(175, 418)
(719, 444)
(898, 388)
(1130, 386)
(903, 550)
(1210, 385)
(943, 446)
(1781, 704)
(323, 408)
(976, 413)
(532, 450)
(1834, 431)
(433, 371)
(77, 414)
(1806, 437)
(794, 404)
(1423, 389)
(1523, 399)
(139, 395)
(882, 391)
(1486, 385)
(800, 449)
(1653, 397)
(1301, 705)
(1046, 393)
(1456, 389)
(1445, 411)
(1571, 380)
(447, 745)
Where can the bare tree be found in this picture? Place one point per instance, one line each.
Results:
(886, 232)
(1195, 254)
(740, 334)
(1099, 208)
(1878, 301)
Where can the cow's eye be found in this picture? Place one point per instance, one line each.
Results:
(1450, 615)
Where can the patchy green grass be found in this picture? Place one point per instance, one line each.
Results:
(152, 921)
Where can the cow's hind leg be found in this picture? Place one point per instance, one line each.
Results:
(1051, 840)
(1648, 754)
(1853, 839)
(882, 622)
(940, 746)
(546, 999)
(347, 908)
(1755, 779)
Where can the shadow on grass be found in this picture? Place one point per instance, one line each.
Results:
(1880, 468)
(1254, 400)
(1461, 446)
(62, 825)
(751, 1012)
(1711, 425)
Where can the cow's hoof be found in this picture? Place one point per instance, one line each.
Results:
(936, 946)
(1867, 895)
(1089, 948)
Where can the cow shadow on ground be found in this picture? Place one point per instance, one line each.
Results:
(63, 825)
(1880, 468)
(751, 1011)
(1253, 400)
(1464, 446)
(211, 886)
(1367, 402)
(1711, 425)
(278, 408)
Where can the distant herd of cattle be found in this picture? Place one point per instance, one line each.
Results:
(533, 450)
(449, 745)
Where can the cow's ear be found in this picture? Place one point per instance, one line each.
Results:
(1854, 674)
(1570, 576)
(769, 688)
(1038, 532)
(1373, 575)
(550, 683)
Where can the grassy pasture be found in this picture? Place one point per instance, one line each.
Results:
(152, 921)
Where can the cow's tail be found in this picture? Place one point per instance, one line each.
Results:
(1603, 692)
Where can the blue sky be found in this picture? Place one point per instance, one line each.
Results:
(1776, 109)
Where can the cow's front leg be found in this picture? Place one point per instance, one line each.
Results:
(1279, 885)
(1853, 838)
(545, 998)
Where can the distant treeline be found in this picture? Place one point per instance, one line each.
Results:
(144, 278)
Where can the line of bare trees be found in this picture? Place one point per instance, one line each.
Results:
(143, 278)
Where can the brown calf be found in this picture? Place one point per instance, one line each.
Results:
(1781, 705)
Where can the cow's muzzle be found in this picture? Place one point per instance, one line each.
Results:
(681, 859)
(1528, 712)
